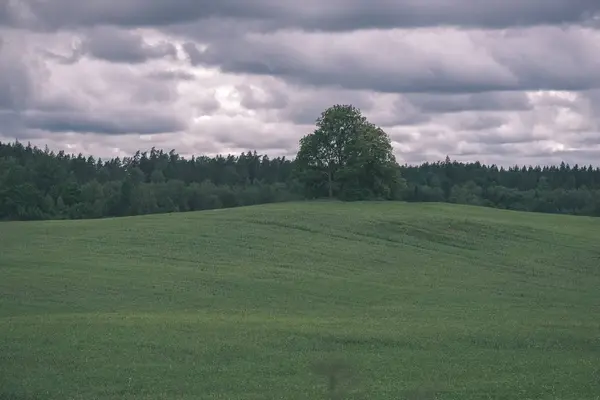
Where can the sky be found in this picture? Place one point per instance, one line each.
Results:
(511, 82)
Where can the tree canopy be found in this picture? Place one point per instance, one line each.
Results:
(348, 157)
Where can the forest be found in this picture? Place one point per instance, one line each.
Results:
(346, 158)
(38, 184)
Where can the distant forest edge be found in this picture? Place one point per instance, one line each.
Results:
(38, 184)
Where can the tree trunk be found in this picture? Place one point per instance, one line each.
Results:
(329, 178)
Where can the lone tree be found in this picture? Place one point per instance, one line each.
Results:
(348, 157)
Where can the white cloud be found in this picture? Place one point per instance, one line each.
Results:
(519, 95)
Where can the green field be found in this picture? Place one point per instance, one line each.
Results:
(415, 300)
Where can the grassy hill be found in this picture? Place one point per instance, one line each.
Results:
(459, 302)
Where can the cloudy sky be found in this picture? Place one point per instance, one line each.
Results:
(512, 81)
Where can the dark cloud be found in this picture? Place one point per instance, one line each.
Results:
(273, 59)
(194, 54)
(122, 46)
(533, 57)
(5, 17)
(153, 94)
(16, 82)
(592, 98)
(587, 139)
(526, 60)
(14, 13)
(487, 101)
(117, 46)
(402, 119)
(172, 75)
(72, 58)
(206, 103)
(26, 104)
(115, 123)
(478, 122)
(314, 14)
(256, 99)
(401, 113)
(10, 124)
(515, 137)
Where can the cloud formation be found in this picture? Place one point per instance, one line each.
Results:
(432, 60)
(334, 15)
(505, 82)
(118, 46)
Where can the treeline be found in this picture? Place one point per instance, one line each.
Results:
(562, 189)
(40, 184)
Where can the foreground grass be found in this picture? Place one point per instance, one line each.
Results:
(447, 301)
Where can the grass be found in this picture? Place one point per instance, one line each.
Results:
(267, 302)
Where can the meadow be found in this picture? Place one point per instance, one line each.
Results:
(377, 300)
